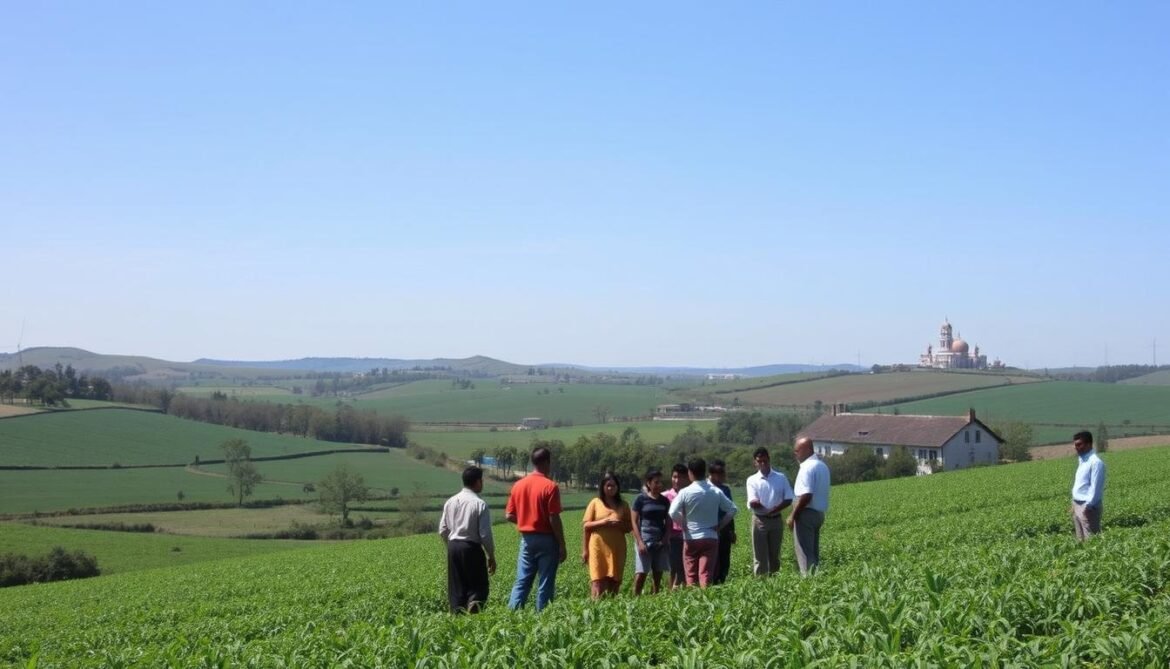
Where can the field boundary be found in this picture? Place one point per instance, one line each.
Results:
(264, 458)
(49, 411)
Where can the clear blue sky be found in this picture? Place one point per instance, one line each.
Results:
(611, 184)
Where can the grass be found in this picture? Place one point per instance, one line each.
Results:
(460, 444)
(119, 552)
(856, 388)
(1158, 378)
(1059, 407)
(996, 578)
(129, 437)
(435, 400)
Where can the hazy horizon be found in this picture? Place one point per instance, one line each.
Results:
(653, 185)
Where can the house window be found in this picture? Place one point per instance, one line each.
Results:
(967, 437)
(978, 434)
(933, 454)
(880, 452)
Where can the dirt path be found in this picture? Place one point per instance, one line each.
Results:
(1119, 444)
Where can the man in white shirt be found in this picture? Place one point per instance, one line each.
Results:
(697, 508)
(466, 528)
(768, 493)
(1088, 487)
(808, 512)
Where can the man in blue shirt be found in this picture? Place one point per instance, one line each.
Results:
(1088, 485)
(697, 510)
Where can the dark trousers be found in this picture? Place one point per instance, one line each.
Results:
(467, 576)
(724, 565)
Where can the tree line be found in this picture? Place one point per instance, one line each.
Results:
(51, 387)
(342, 424)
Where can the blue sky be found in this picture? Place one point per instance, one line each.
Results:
(608, 184)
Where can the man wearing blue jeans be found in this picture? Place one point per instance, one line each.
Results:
(534, 504)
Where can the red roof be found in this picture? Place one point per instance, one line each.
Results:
(884, 429)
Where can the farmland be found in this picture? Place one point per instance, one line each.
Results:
(1057, 407)
(489, 401)
(460, 444)
(1158, 378)
(868, 388)
(996, 579)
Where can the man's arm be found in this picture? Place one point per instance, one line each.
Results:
(636, 524)
(1096, 484)
(444, 526)
(486, 538)
(753, 497)
(801, 502)
(554, 519)
(510, 510)
(729, 510)
(786, 500)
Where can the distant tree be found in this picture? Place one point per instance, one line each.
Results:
(601, 413)
(1017, 441)
(478, 455)
(899, 463)
(339, 489)
(412, 513)
(242, 473)
(856, 465)
(1101, 443)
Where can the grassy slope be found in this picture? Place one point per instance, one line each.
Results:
(119, 552)
(997, 539)
(129, 438)
(872, 388)
(461, 444)
(1159, 378)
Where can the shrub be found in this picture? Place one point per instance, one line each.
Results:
(58, 565)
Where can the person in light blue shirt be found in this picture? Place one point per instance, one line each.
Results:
(1088, 486)
(697, 510)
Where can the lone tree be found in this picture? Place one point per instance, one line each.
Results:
(1017, 441)
(242, 473)
(1102, 443)
(339, 489)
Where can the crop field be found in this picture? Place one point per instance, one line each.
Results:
(991, 576)
(119, 552)
(7, 410)
(57, 490)
(129, 437)
(855, 388)
(381, 471)
(741, 385)
(1058, 408)
(488, 402)
(1158, 378)
(459, 444)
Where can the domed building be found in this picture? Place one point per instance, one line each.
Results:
(953, 353)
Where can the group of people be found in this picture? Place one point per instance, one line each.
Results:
(685, 531)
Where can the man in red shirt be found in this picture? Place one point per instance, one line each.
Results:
(535, 506)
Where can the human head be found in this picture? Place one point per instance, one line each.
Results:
(473, 478)
(763, 460)
(717, 471)
(541, 459)
(803, 449)
(653, 479)
(1083, 442)
(698, 468)
(609, 486)
(678, 476)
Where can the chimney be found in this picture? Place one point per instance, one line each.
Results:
(971, 415)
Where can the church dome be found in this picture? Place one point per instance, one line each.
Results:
(959, 346)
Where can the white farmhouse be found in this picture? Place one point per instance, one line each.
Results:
(952, 442)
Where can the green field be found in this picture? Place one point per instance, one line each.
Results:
(1058, 408)
(991, 576)
(1158, 378)
(488, 402)
(888, 387)
(460, 444)
(119, 552)
(129, 437)
(59, 490)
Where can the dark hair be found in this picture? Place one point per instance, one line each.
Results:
(471, 475)
(697, 467)
(651, 474)
(680, 468)
(761, 451)
(609, 476)
(717, 467)
(1085, 436)
(541, 455)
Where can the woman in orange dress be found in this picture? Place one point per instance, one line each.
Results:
(606, 523)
